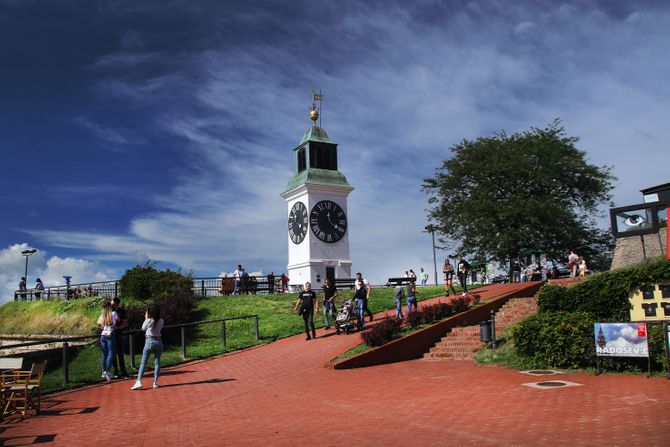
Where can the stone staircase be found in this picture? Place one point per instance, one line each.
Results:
(462, 343)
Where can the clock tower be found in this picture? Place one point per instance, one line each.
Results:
(316, 199)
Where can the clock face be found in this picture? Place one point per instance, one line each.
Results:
(328, 221)
(297, 223)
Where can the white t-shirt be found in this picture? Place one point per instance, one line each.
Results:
(358, 284)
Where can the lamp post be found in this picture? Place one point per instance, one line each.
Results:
(27, 253)
(431, 229)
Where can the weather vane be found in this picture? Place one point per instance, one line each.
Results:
(315, 112)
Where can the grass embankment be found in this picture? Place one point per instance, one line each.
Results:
(276, 320)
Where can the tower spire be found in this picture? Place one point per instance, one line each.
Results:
(314, 111)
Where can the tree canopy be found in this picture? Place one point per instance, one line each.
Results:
(499, 195)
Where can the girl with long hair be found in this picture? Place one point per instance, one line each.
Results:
(107, 321)
(448, 277)
(153, 323)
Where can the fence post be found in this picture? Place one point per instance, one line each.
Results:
(493, 328)
(183, 343)
(257, 337)
(131, 350)
(202, 288)
(66, 366)
(223, 333)
(116, 288)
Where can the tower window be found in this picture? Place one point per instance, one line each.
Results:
(302, 161)
(323, 156)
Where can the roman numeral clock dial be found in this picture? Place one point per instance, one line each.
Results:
(297, 223)
(328, 221)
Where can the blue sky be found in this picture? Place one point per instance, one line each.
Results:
(163, 130)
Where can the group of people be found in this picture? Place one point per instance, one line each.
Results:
(243, 283)
(461, 271)
(423, 276)
(407, 293)
(577, 265)
(307, 304)
(112, 321)
(22, 293)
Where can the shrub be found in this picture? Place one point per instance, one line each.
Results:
(604, 295)
(146, 282)
(382, 333)
(459, 304)
(558, 339)
(436, 312)
(414, 319)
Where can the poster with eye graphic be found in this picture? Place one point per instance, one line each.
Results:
(621, 340)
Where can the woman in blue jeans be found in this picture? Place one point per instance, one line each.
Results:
(107, 321)
(153, 323)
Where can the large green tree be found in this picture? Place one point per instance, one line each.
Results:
(499, 195)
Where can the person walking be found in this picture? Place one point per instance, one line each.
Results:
(448, 271)
(107, 321)
(573, 263)
(119, 363)
(238, 275)
(363, 285)
(411, 296)
(23, 289)
(329, 294)
(271, 283)
(424, 277)
(462, 270)
(398, 295)
(39, 287)
(583, 268)
(307, 307)
(153, 344)
(516, 271)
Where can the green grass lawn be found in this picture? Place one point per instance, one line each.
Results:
(277, 319)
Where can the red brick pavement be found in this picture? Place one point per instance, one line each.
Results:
(281, 394)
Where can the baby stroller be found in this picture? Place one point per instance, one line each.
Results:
(347, 318)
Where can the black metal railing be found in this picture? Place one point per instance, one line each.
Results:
(131, 340)
(202, 287)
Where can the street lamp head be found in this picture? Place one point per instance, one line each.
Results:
(29, 251)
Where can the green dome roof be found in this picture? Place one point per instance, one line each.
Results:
(315, 133)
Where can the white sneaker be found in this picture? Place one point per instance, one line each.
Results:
(108, 378)
(155, 385)
(137, 386)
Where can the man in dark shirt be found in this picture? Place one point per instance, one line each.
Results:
(271, 283)
(121, 325)
(329, 294)
(462, 271)
(308, 306)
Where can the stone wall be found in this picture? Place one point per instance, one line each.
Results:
(629, 250)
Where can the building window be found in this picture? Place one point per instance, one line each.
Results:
(302, 161)
(323, 156)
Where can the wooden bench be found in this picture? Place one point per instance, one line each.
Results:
(344, 283)
(398, 281)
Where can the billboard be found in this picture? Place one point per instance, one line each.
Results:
(621, 339)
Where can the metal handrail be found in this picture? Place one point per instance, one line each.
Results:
(131, 333)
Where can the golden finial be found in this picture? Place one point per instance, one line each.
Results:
(314, 114)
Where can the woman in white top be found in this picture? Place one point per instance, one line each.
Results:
(107, 321)
(153, 323)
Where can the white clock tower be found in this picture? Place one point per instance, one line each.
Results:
(316, 198)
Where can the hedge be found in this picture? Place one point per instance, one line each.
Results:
(604, 295)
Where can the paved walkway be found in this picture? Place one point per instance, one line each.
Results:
(281, 394)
